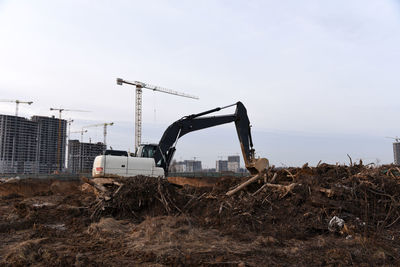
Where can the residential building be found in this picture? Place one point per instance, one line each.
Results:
(233, 163)
(188, 166)
(51, 143)
(193, 165)
(81, 155)
(221, 166)
(31, 146)
(18, 145)
(396, 152)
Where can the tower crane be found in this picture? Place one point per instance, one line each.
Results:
(397, 139)
(61, 110)
(17, 102)
(69, 122)
(81, 132)
(104, 129)
(138, 110)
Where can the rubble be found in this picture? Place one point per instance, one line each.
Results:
(324, 215)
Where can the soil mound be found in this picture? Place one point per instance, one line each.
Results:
(328, 215)
(34, 187)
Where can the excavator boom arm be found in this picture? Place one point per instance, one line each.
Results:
(166, 147)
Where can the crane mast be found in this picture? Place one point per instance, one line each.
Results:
(61, 110)
(138, 101)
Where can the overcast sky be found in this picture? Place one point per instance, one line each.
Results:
(320, 79)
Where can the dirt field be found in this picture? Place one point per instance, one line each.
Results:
(280, 221)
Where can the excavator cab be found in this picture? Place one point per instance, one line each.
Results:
(146, 151)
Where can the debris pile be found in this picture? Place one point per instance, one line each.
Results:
(324, 215)
(136, 198)
(366, 198)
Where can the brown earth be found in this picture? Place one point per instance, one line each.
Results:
(280, 221)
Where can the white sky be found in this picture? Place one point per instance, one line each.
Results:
(319, 78)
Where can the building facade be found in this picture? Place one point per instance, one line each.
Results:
(396, 152)
(51, 143)
(221, 166)
(31, 146)
(18, 145)
(81, 155)
(233, 163)
(179, 167)
(193, 165)
(188, 166)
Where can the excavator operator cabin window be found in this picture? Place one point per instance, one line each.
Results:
(148, 151)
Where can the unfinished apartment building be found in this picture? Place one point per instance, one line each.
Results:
(81, 155)
(50, 154)
(17, 145)
(396, 152)
(31, 146)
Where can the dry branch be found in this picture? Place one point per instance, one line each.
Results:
(243, 185)
(351, 161)
(327, 191)
(284, 189)
(290, 174)
(274, 178)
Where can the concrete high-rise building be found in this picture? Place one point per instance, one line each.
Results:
(193, 165)
(179, 167)
(396, 152)
(187, 166)
(18, 145)
(31, 146)
(221, 166)
(51, 143)
(81, 155)
(233, 163)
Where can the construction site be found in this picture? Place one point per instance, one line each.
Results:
(273, 143)
(133, 211)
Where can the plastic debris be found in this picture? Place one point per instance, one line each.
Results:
(336, 224)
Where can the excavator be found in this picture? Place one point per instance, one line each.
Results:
(154, 159)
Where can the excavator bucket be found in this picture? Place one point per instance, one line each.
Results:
(258, 166)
